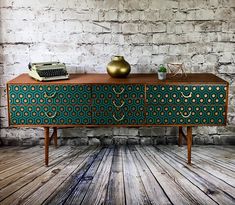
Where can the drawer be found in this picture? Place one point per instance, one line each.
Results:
(127, 115)
(185, 115)
(117, 91)
(98, 103)
(49, 115)
(186, 94)
(54, 94)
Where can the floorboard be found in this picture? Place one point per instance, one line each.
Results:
(117, 175)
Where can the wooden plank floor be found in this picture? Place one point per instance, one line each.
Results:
(117, 175)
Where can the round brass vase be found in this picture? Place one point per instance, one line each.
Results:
(118, 67)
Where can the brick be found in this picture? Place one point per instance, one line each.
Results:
(214, 3)
(226, 69)
(133, 140)
(106, 140)
(158, 59)
(146, 141)
(222, 47)
(163, 4)
(223, 14)
(120, 140)
(208, 26)
(99, 132)
(171, 140)
(198, 59)
(140, 38)
(186, 4)
(135, 5)
(125, 131)
(153, 28)
(227, 140)
(205, 14)
(166, 15)
(94, 141)
(226, 57)
(145, 131)
(111, 15)
(159, 140)
(130, 28)
(150, 15)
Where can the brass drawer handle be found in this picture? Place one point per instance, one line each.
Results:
(118, 120)
(49, 96)
(185, 116)
(118, 93)
(186, 96)
(53, 116)
(118, 106)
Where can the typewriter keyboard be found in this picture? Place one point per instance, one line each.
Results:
(52, 73)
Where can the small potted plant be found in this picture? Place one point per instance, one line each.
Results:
(162, 72)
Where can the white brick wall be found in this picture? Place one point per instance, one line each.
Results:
(85, 34)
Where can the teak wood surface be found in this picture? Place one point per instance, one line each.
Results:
(145, 79)
(192, 78)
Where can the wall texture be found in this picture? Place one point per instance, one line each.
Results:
(86, 33)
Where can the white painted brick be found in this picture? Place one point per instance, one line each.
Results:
(205, 14)
(186, 4)
(9, 14)
(141, 39)
(208, 26)
(135, 5)
(166, 15)
(214, 3)
(163, 49)
(228, 3)
(111, 15)
(158, 59)
(152, 28)
(226, 57)
(163, 4)
(149, 15)
(181, 15)
(223, 13)
(227, 69)
(130, 28)
(198, 59)
(226, 37)
(223, 47)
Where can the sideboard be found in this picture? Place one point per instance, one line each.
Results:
(97, 100)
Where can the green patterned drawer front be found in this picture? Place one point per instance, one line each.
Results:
(129, 115)
(53, 94)
(49, 115)
(117, 91)
(118, 104)
(186, 94)
(185, 115)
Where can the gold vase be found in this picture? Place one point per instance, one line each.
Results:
(118, 67)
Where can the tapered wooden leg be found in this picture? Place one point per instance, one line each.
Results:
(46, 144)
(189, 143)
(55, 136)
(180, 136)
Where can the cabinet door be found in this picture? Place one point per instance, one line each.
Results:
(186, 94)
(50, 115)
(176, 115)
(49, 94)
(118, 104)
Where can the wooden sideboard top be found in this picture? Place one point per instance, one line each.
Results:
(192, 78)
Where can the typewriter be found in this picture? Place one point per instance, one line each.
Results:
(48, 71)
